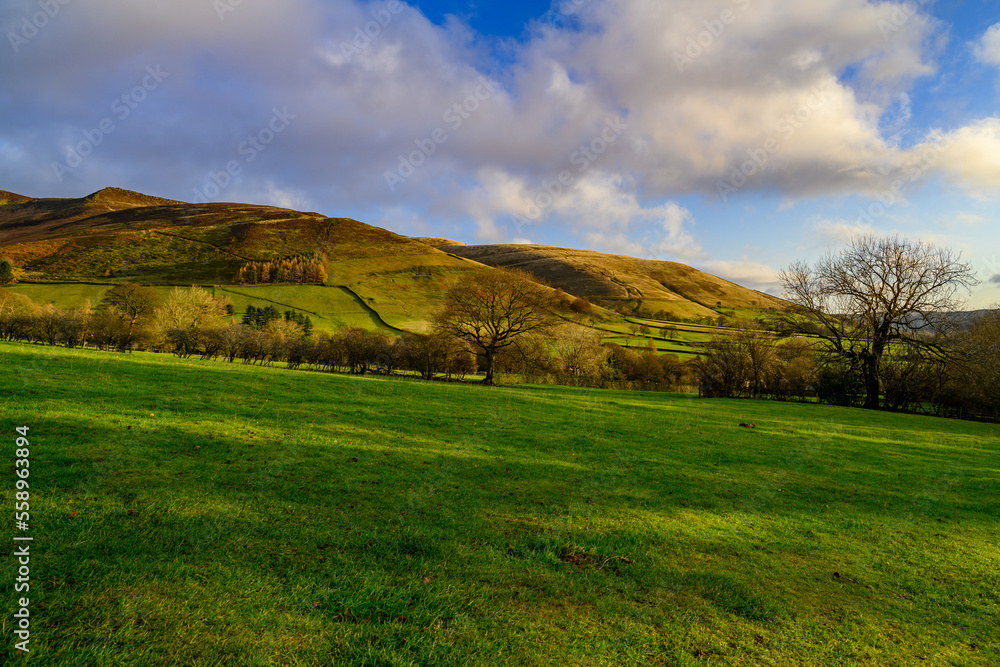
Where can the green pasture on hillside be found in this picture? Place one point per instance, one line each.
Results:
(329, 307)
(64, 295)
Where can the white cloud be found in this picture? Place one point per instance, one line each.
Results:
(835, 233)
(970, 157)
(987, 49)
(605, 207)
(404, 221)
(748, 273)
(283, 197)
(768, 88)
(963, 219)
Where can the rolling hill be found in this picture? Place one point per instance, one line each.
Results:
(116, 235)
(66, 250)
(642, 285)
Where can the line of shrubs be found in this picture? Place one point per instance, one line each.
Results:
(134, 318)
(747, 363)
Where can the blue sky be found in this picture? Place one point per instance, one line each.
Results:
(733, 135)
(495, 19)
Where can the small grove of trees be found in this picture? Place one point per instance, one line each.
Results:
(963, 381)
(130, 303)
(577, 357)
(437, 353)
(752, 363)
(973, 390)
(297, 270)
(258, 318)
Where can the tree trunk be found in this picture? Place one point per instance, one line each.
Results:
(488, 380)
(871, 383)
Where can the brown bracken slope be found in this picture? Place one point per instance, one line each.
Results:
(676, 289)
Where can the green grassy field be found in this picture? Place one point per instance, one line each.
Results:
(201, 513)
(330, 308)
(66, 295)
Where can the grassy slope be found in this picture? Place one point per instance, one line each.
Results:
(201, 513)
(675, 288)
(330, 308)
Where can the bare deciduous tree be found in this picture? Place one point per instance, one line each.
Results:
(580, 352)
(492, 310)
(875, 295)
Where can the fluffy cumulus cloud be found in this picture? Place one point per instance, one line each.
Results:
(988, 48)
(595, 125)
(970, 157)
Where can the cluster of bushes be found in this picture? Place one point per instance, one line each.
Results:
(752, 363)
(579, 358)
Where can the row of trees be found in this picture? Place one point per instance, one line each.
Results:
(129, 317)
(753, 363)
(871, 326)
(576, 359)
(486, 327)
